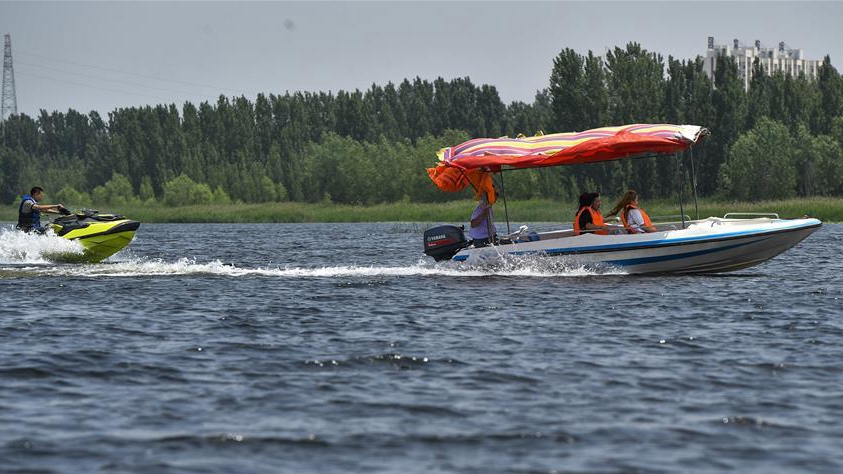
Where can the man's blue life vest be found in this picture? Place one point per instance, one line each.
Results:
(32, 220)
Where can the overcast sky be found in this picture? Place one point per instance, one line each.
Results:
(101, 56)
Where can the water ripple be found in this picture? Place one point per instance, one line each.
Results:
(255, 351)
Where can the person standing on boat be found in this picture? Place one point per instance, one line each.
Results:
(634, 219)
(29, 212)
(588, 216)
(482, 229)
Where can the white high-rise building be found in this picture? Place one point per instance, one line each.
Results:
(773, 60)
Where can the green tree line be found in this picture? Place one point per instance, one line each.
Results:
(780, 139)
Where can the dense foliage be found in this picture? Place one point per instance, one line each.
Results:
(781, 139)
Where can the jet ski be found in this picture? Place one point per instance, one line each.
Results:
(102, 235)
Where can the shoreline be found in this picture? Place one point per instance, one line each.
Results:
(829, 210)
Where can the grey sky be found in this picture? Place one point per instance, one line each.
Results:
(100, 56)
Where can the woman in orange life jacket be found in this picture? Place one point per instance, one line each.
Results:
(588, 216)
(634, 219)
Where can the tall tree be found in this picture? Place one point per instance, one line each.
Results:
(567, 85)
(729, 101)
(830, 86)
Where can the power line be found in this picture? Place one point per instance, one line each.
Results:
(64, 81)
(115, 80)
(148, 76)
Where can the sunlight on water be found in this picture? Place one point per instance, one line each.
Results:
(535, 267)
(21, 248)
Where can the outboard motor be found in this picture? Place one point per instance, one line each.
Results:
(443, 241)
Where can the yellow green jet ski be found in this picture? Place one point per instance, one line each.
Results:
(102, 235)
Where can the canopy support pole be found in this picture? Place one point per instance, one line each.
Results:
(505, 210)
(679, 169)
(694, 183)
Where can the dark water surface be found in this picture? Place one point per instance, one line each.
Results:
(334, 348)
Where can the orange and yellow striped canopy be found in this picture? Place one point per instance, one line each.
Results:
(599, 144)
(460, 163)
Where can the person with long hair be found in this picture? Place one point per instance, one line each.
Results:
(588, 217)
(634, 219)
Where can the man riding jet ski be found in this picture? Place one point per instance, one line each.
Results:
(101, 235)
(29, 212)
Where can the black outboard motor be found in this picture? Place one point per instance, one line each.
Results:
(443, 241)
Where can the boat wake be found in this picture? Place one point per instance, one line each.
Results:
(18, 248)
(22, 253)
(135, 267)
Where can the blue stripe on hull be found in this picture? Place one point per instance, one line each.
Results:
(658, 243)
(665, 258)
(642, 245)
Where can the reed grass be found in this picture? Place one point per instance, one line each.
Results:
(520, 211)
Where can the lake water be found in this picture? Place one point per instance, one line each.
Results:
(335, 348)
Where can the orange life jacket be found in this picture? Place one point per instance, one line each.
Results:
(452, 179)
(596, 219)
(448, 178)
(625, 213)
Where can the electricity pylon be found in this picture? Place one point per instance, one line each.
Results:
(9, 101)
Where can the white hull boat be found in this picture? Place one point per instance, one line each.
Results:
(710, 245)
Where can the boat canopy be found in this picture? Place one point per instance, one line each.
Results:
(459, 163)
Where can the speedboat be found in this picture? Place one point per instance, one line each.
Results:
(102, 235)
(711, 245)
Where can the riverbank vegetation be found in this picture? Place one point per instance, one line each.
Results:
(520, 211)
(781, 139)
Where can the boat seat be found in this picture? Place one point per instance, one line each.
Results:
(556, 234)
(530, 236)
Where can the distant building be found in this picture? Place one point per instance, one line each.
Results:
(773, 60)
